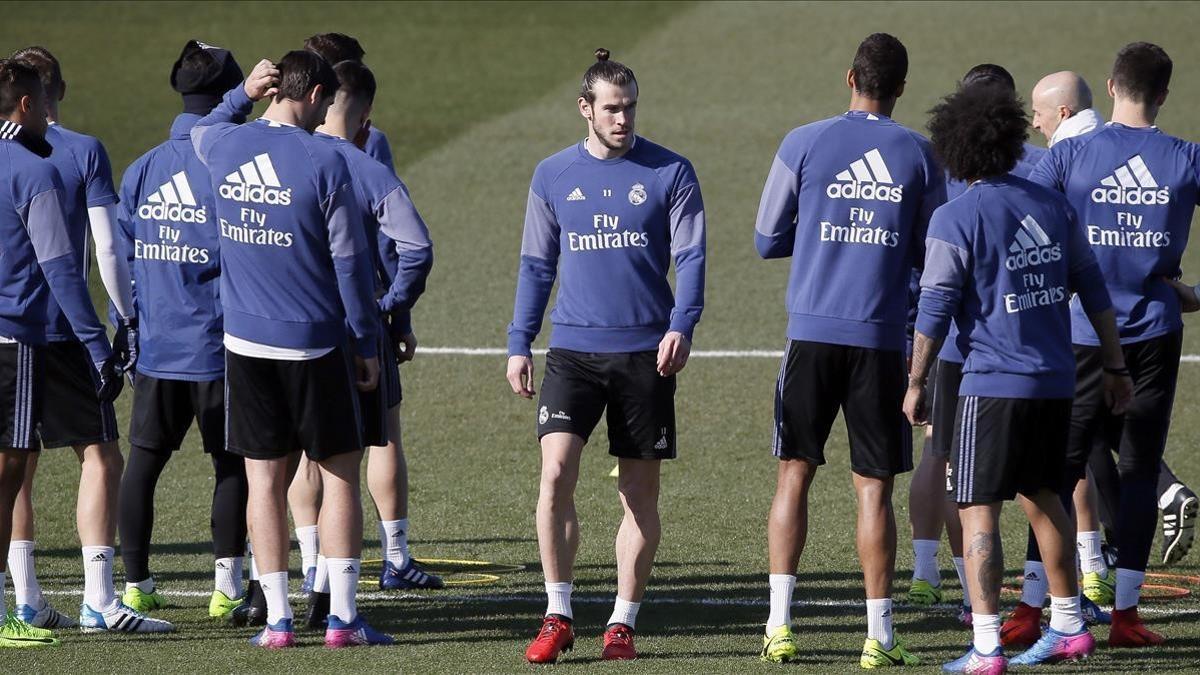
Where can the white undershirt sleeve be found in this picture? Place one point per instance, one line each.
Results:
(114, 268)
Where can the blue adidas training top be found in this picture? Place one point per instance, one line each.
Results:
(849, 200)
(1135, 190)
(296, 265)
(38, 258)
(1002, 261)
(608, 229)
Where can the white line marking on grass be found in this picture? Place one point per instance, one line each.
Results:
(700, 353)
(169, 593)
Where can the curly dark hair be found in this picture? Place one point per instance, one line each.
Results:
(979, 131)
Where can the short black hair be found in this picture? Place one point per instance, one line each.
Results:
(335, 47)
(880, 66)
(47, 67)
(979, 131)
(356, 80)
(604, 70)
(1142, 72)
(991, 74)
(17, 80)
(300, 71)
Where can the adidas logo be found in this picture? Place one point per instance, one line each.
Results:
(1131, 183)
(99, 557)
(866, 178)
(173, 201)
(399, 534)
(256, 182)
(1031, 246)
(576, 195)
(9, 130)
(1031, 576)
(349, 570)
(661, 444)
(222, 566)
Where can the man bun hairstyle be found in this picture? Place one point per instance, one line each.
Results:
(979, 131)
(604, 70)
(47, 67)
(356, 80)
(17, 80)
(880, 66)
(989, 73)
(300, 70)
(1142, 72)
(335, 47)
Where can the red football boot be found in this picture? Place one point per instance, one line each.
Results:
(1129, 631)
(1023, 628)
(618, 643)
(554, 638)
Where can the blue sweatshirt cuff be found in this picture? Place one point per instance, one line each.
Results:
(401, 324)
(934, 314)
(519, 343)
(685, 324)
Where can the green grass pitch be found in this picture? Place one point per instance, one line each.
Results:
(472, 96)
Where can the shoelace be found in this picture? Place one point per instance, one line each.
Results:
(549, 629)
(14, 625)
(620, 636)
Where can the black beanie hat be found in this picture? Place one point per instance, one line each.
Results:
(202, 75)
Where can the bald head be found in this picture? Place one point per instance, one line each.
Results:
(1056, 97)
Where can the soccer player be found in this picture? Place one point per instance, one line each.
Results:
(848, 199)
(1062, 109)
(1134, 188)
(168, 229)
(395, 226)
(927, 510)
(387, 470)
(38, 257)
(1001, 262)
(610, 212)
(73, 417)
(295, 273)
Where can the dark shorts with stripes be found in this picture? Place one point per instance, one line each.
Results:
(73, 415)
(21, 381)
(274, 408)
(376, 405)
(817, 380)
(946, 379)
(1003, 447)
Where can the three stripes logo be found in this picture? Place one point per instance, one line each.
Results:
(1131, 183)
(866, 178)
(256, 182)
(1031, 246)
(576, 195)
(9, 130)
(173, 201)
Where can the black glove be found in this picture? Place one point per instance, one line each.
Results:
(108, 386)
(125, 344)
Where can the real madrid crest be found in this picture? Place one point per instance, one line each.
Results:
(543, 415)
(637, 194)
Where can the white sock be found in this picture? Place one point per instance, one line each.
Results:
(309, 546)
(253, 565)
(782, 588)
(987, 632)
(145, 585)
(1129, 588)
(624, 612)
(98, 590)
(879, 621)
(275, 588)
(25, 584)
(228, 577)
(558, 598)
(960, 566)
(321, 583)
(393, 534)
(1165, 499)
(1035, 587)
(925, 563)
(1090, 557)
(343, 586)
(1065, 615)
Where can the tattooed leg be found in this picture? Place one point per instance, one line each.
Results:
(984, 556)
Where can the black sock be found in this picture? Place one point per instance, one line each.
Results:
(1137, 521)
(135, 518)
